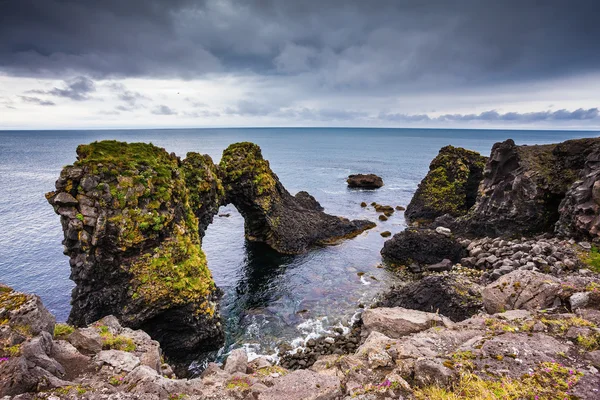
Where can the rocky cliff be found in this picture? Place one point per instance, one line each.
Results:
(134, 216)
(134, 246)
(523, 190)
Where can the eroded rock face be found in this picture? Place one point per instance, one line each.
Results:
(364, 181)
(134, 244)
(271, 214)
(450, 186)
(422, 247)
(523, 187)
(579, 211)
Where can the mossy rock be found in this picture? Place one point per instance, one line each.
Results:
(450, 186)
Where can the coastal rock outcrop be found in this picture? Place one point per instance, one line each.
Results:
(422, 247)
(450, 186)
(523, 187)
(134, 246)
(133, 218)
(364, 181)
(271, 214)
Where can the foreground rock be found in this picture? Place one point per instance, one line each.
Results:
(422, 247)
(450, 186)
(398, 322)
(365, 181)
(271, 214)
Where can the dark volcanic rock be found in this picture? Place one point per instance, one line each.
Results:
(422, 247)
(307, 201)
(365, 181)
(523, 187)
(580, 209)
(453, 296)
(134, 244)
(450, 186)
(271, 214)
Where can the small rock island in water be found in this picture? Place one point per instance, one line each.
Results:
(501, 296)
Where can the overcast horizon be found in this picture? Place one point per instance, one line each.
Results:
(67, 64)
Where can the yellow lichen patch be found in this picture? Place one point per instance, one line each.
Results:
(11, 300)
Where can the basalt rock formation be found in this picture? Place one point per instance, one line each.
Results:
(134, 216)
(134, 245)
(523, 190)
(421, 247)
(450, 186)
(272, 215)
(523, 187)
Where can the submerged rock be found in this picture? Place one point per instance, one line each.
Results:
(271, 214)
(450, 186)
(364, 181)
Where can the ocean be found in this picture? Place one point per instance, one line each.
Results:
(268, 298)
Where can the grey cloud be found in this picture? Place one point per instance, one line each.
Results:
(131, 98)
(492, 115)
(37, 100)
(163, 110)
(342, 44)
(78, 89)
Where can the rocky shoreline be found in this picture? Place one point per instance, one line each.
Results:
(501, 300)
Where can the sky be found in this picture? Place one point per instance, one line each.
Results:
(521, 64)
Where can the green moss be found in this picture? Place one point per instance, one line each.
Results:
(238, 383)
(115, 342)
(445, 189)
(592, 259)
(11, 300)
(245, 161)
(62, 330)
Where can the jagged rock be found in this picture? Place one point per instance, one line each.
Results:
(580, 209)
(526, 290)
(303, 385)
(365, 181)
(397, 321)
(452, 296)
(444, 265)
(524, 185)
(87, 340)
(23, 310)
(144, 233)
(237, 361)
(450, 186)
(271, 214)
(422, 247)
(306, 200)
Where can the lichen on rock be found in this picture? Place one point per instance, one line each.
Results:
(450, 186)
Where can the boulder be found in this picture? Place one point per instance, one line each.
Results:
(308, 201)
(452, 296)
(303, 385)
(121, 361)
(422, 247)
(450, 186)
(364, 181)
(237, 361)
(397, 322)
(521, 289)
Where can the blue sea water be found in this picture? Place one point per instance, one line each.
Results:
(269, 298)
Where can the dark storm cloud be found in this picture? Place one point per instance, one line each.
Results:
(492, 115)
(77, 89)
(163, 110)
(37, 100)
(340, 44)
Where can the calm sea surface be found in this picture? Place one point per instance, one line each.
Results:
(269, 298)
